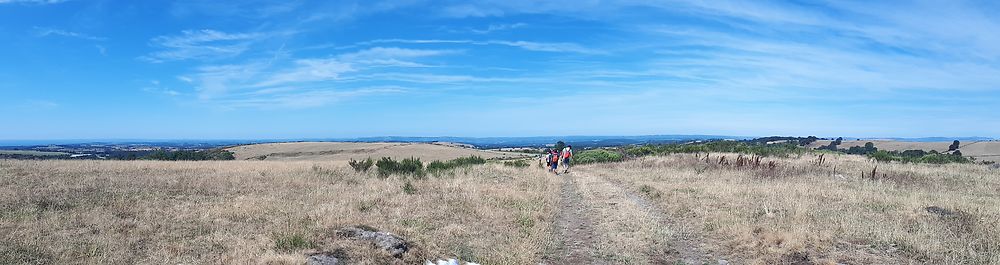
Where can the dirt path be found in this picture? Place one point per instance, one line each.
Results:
(574, 233)
(604, 222)
(686, 243)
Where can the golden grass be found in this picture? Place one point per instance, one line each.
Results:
(245, 212)
(811, 213)
(343, 151)
(643, 211)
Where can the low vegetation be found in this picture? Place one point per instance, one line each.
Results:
(516, 163)
(787, 149)
(597, 156)
(917, 156)
(438, 166)
(755, 148)
(361, 165)
(409, 166)
(190, 155)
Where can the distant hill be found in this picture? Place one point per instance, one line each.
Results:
(539, 141)
(344, 151)
(985, 150)
(479, 142)
(920, 139)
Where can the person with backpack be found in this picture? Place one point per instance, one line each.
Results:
(554, 160)
(567, 153)
(548, 158)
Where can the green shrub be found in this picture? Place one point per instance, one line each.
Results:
(943, 159)
(913, 156)
(913, 153)
(756, 148)
(190, 155)
(516, 163)
(410, 166)
(437, 166)
(362, 165)
(471, 160)
(597, 156)
(883, 156)
(644, 150)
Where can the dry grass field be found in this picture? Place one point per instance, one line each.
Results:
(343, 151)
(262, 212)
(981, 151)
(804, 213)
(676, 209)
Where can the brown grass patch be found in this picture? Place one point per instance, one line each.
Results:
(343, 152)
(812, 213)
(243, 212)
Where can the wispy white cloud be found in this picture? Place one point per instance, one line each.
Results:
(393, 56)
(201, 45)
(392, 53)
(471, 10)
(547, 46)
(308, 70)
(566, 47)
(46, 32)
(496, 27)
(157, 88)
(304, 98)
(312, 80)
(219, 80)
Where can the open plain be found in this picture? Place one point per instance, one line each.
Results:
(674, 209)
(345, 151)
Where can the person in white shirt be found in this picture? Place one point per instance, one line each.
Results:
(566, 154)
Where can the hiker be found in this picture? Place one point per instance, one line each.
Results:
(554, 160)
(548, 158)
(567, 153)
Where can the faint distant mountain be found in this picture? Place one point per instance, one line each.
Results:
(539, 141)
(934, 139)
(480, 142)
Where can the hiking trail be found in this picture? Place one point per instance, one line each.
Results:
(601, 221)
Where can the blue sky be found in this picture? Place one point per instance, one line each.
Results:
(82, 69)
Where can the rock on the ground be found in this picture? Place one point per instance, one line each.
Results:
(723, 262)
(395, 245)
(323, 259)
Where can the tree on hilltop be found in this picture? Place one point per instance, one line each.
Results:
(954, 146)
(559, 146)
